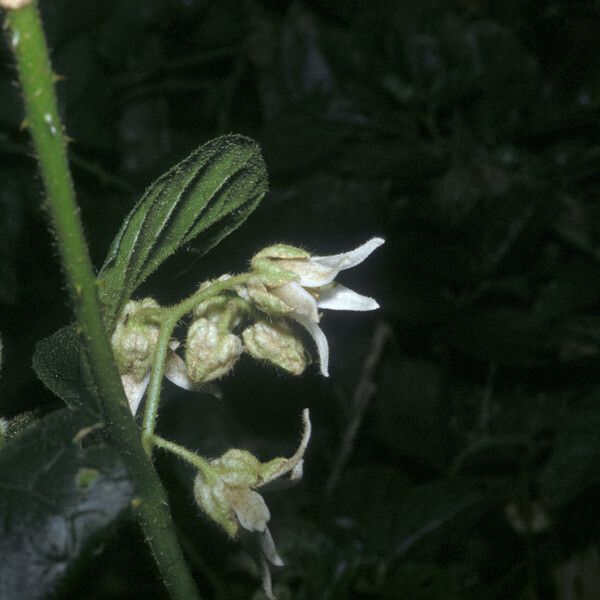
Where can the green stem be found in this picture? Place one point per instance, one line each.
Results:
(37, 81)
(191, 457)
(175, 313)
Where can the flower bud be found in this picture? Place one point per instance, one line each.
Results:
(224, 492)
(210, 352)
(238, 467)
(269, 264)
(210, 496)
(276, 343)
(279, 251)
(258, 294)
(211, 309)
(135, 339)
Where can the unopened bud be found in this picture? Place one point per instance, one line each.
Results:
(269, 264)
(276, 343)
(210, 353)
(134, 339)
(238, 467)
(211, 309)
(258, 294)
(210, 496)
(279, 251)
(224, 492)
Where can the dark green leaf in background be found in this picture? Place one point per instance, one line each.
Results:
(212, 192)
(57, 363)
(57, 499)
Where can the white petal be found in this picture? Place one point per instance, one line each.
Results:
(339, 297)
(320, 340)
(134, 390)
(294, 464)
(266, 579)
(176, 372)
(321, 270)
(310, 272)
(250, 508)
(353, 257)
(296, 461)
(297, 471)
(297, 298)
(267, 547)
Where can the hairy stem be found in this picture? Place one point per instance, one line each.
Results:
(28, 43)
(191, 457)
(175, 313)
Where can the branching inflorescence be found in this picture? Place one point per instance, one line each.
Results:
(257, 313)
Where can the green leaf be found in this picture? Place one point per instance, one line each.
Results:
(57, 362)
(57, 499)
(212, 192)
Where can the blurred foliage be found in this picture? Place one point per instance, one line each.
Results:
(465, 133)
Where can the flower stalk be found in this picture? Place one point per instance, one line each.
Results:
(28, 44)
(173, 315)
(190, 457)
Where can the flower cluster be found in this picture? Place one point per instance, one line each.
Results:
(256, 313)
(286, 285)
(291, 282)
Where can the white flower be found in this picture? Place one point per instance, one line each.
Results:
(227, 493)
(311, 286)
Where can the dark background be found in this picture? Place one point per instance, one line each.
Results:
(466, 134)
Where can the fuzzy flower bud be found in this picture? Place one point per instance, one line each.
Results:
(135, 339)
(229, 486)
(270, 263)
(276, 343)
(258, 294)
(210, 352)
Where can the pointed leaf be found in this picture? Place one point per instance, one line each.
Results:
(211, 192)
